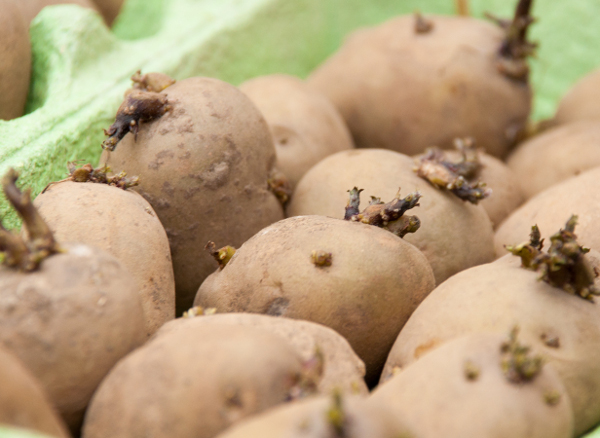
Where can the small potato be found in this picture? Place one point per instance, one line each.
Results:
(556, 155)
(194, 382)
(15, 53)
(454, 235)
(550, 210)
(321, 417)
(343, 369)
(23, 403)
(563, 328)
(374, 282)
(305, 125)
(461, 390)
(582, 102)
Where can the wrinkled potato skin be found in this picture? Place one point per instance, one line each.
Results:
(306, 419)
(494, 298)
(343, 369)
(305, 125)
(506, 195)
(70, 322)
(109, 9)
(375, 282)
(551, 209)
(556, 155)
(582, 101)
(405, 91)
(192, 383)
(454, 235)
(30, 8)
(203, 167)
(23, 402)
(15, 53)
(439, 400)
(123, 224)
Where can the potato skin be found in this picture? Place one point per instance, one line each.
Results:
(203, 167)
(23, 402)
(582, 101)
(70, 322)
(375, 281)
(306, 418)
(123, 224)
(343, 369)
(405, 91)
(439, 400)
(551, 209)
(305, 125)
(109, 9)
(494, 298)
(556, 155)
(193, 382)
(454, 235)
(15, 53)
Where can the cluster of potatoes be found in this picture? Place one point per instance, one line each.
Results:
(216, 274)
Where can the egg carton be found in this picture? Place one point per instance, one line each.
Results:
(80, 68)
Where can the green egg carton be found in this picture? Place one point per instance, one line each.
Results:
(81, 68)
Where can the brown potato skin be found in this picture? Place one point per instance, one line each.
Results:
(70, 322)
(440, 401)
(556, 155)
(454, 235)
(305, 125)
(123, 224)
(405, 91)
(109, 9)
(494, 298)
(343, 369)
(193, 382)
(375, 281)
(23, 402)
(582, 101)
(307, 418)
(31, 8)
(15, 53)
(551, 209)
(203, 167)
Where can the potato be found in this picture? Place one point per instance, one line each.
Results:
(343, 369)
(23, 402)
(305, 125)
(31, 8)
(203, 166)
(454, 235)
(123, 224)
(564, 328)
(462, 390)
(582, 101)
(194, 382)
(109, 9)
(551, 208)
(374, 283)
(556, 155)
(15, 53)
(404, 88)
(321, 417)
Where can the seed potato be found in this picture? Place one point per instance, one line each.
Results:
(582, 102)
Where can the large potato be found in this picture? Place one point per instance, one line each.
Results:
(193, 382)
(23, 402)
(343, 369)
(564, 328)
(582, 102)
(404, 90)
(123, 224)
(461, 390)
(454, 234)
(556, 155)
(374, 283)
(550, 210)
(203, 166)
(15, 53)
(305, 125)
